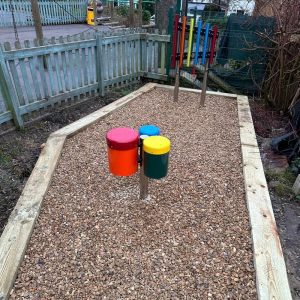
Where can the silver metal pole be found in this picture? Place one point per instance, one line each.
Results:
(203, 94)
(144, 181)
(176, 88)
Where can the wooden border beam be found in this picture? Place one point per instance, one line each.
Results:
(271, 276)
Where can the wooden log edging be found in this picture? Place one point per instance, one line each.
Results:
(271, 275)
(17, 232)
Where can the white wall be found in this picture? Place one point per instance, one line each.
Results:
(246, 5)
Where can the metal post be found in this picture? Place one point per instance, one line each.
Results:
(176, 87)
(140, 9)
(36, 16)
(95, 13)
(144, 181)
(203, 94)
(37, 20)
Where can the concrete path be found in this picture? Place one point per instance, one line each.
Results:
(28, 33)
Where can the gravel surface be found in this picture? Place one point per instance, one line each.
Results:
(95, 239)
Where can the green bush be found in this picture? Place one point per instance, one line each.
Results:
(123, 10)
(150, 7)
(146, 16)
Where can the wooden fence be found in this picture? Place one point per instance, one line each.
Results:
(34, 78)
(52, 12)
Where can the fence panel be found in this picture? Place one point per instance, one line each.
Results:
(52, 12)
(49, 74)
(154, 55)
(121, 59)
(73, 67)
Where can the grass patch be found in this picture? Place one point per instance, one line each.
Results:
(285, 181)
(5, 159)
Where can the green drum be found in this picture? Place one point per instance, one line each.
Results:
(156, 151)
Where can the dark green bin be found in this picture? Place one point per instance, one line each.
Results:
(156, 151)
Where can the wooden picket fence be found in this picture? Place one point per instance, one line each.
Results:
(52, 12)
(68, 69)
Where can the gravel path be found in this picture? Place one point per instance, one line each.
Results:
(95, 239)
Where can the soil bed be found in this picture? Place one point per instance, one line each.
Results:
(95, 239)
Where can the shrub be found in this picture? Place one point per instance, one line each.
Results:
(146, 16)
(123, 10)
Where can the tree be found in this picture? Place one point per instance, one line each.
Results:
(283, 71)
(161, 15)
(131, 13)
(37, 20)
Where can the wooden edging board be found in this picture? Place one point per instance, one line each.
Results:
(271, 275)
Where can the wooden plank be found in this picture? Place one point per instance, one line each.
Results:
(65, 67)
(85, 122)
(106, 64)
(90, 66)
(78, 67)
(84, 62)
(156, 57)
(271, 275)
(6, 116)
(157, 37)
(70, 57)
(33, 73)
(15, 75)
(170, 87)
(144, 56)
(110, 60)
(47, 49)
(124, 68)
(16, 235)
(155, 76)
(139, 53)
(49, 60)
(27, 85)
(3, 105)
(9, 93)
(163, 58)
(113, 39)
(56, 99)
(41, 69)
(120, 79)
(100, 65)
(120, 69)
(115, 60)
(224, 85)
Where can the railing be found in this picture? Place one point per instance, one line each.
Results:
(52, 12)
(68, 69)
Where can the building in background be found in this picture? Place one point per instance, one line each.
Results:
(265, 7)
(241, 7)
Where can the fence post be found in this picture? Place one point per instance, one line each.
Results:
(170, 31)
(99, 64)
(9, 93)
